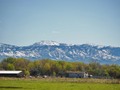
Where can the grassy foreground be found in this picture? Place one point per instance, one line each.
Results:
(58, 84)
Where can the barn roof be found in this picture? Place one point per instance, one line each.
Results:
(10, 72)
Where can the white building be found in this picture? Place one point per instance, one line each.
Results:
(11, 73)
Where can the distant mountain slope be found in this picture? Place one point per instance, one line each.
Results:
(60, 51)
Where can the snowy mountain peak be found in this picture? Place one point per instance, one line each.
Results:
(49, 43)
(61, 51)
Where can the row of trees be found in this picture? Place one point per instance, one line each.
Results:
(56, 68)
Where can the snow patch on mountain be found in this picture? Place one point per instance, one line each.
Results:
(50, 43)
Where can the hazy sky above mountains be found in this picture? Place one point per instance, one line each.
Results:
(23, 22)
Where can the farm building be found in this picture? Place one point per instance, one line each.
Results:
(72, 74)
(11, 73)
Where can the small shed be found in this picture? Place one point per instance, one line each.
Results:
(11, 73)
(73, 74)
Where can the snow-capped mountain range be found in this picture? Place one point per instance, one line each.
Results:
(60, 51)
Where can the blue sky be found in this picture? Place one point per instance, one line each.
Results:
(23, 22)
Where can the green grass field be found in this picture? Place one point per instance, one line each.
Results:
(58, 84)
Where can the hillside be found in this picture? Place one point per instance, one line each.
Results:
(60, 51)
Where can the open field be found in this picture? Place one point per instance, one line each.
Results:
(58, 84)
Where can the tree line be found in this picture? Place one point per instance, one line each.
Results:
(58, 68)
